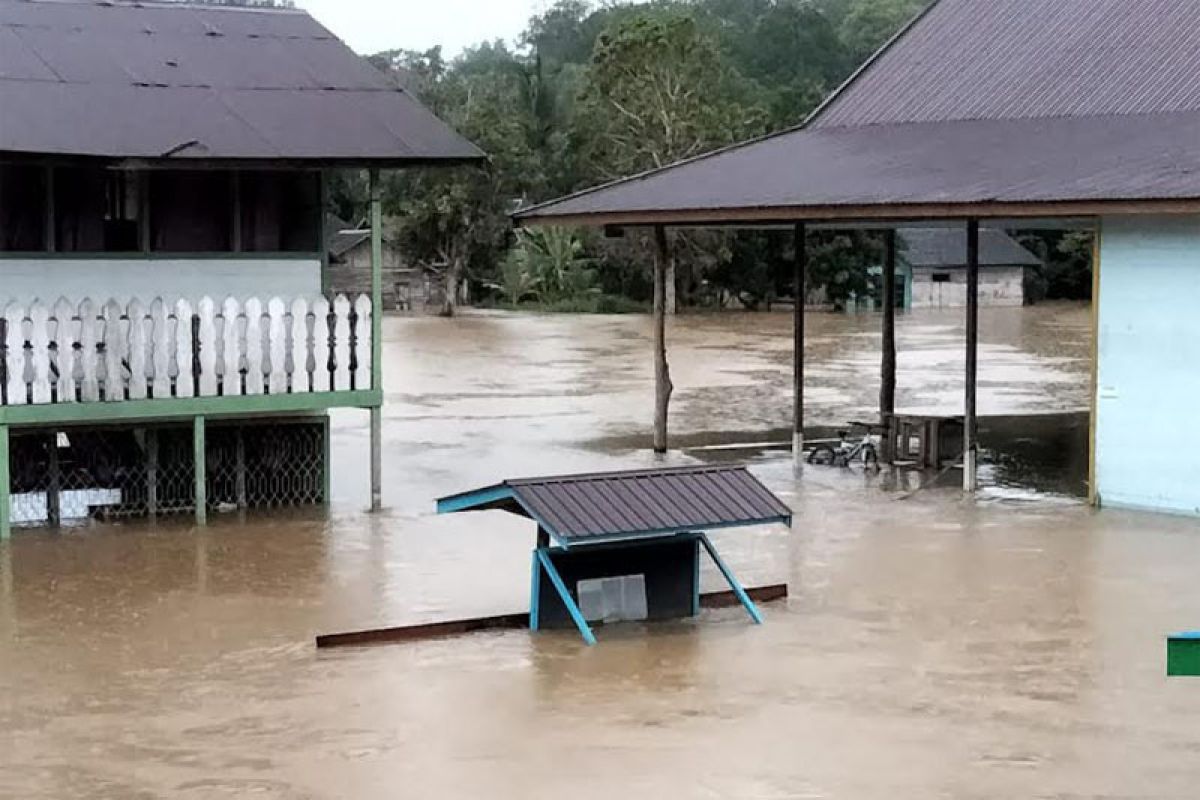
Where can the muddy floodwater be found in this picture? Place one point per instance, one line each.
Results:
(933, 647)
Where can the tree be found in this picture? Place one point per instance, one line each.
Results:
(456, 221)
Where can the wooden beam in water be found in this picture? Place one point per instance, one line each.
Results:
(435, 630)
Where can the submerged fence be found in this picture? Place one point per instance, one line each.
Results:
(88, 352)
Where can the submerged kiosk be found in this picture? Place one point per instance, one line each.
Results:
(626, 546)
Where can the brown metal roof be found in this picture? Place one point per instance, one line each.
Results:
(165, 80)
(579, 509)
(988, 107)
(1008, 59)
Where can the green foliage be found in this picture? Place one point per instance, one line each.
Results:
(1066, 270)
(598, 91)
(549, 265)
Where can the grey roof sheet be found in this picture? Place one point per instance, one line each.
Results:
(947, 247)
(979, 101)
(1002, 161)
(147, 80)
(1006, 59)
(625, 505)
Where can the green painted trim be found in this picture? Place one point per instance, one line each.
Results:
(158, 256)
(200, 461)
(5, 488)
(187, 407)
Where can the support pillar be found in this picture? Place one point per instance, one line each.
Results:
(662, 371)
(5, 486)
(376, 340)
(152, 473)
(54, 484)
(800, 287)
(887, 382)
(970, 445)
(200, 461)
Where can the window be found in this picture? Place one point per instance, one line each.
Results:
(190, 211)
(281, 212)
(940, 277)
(619, 599)
(97, 210)
(22, 207)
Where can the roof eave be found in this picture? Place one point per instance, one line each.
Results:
(873, 213)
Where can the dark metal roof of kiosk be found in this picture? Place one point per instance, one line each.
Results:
(987, 103)
(188, 82)
(581, 509)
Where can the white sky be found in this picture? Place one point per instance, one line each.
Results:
(369, 26)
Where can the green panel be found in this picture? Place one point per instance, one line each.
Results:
(1183, 656)
(187, 408)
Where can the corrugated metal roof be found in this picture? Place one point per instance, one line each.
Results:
(947, 247)
(577, 509)
(978, 102)
(149, 80)
(1006, 59)
(984, 161)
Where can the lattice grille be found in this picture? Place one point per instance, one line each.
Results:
(77, 474)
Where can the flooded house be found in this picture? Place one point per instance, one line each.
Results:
(931, 271)
(1006, 113)
(169, 339)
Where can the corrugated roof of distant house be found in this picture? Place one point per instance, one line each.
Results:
(581, 509)
(187, 82)
(341, 237)
(947, 247)
(1050, 105)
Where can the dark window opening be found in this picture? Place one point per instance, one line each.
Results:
(22, 208)
(190, 212)
(280, 212)
(940, 277)
(80, 204)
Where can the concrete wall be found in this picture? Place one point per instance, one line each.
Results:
(1147, 438)
(998, 286)
(48, 279)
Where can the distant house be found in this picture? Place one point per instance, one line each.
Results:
(349, 254)
(931, 271)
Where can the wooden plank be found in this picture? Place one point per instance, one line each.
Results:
(434, 630)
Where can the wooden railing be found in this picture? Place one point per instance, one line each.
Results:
(86, 352)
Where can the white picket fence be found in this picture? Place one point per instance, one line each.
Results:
(87, 352)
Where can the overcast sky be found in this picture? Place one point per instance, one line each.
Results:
(373, 25)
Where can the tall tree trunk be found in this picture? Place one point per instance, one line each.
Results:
(662, 371)
(453, 277)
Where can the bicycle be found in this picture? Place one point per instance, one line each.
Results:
(844, 454)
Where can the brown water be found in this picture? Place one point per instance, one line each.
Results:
(933, 647)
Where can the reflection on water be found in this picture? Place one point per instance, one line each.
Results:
(932, 647)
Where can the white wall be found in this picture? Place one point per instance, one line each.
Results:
(998, 286)
(48, 279)
(1147, 437)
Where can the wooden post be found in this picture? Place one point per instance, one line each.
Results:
(1093, 403)
(200, 460)
(800, 287)
(54, 484)
(970, 445)
(887, 383)
(662, 371)
(152, 472)
(322, 233)
(239, 470)
(376, 339)
(5, 487)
